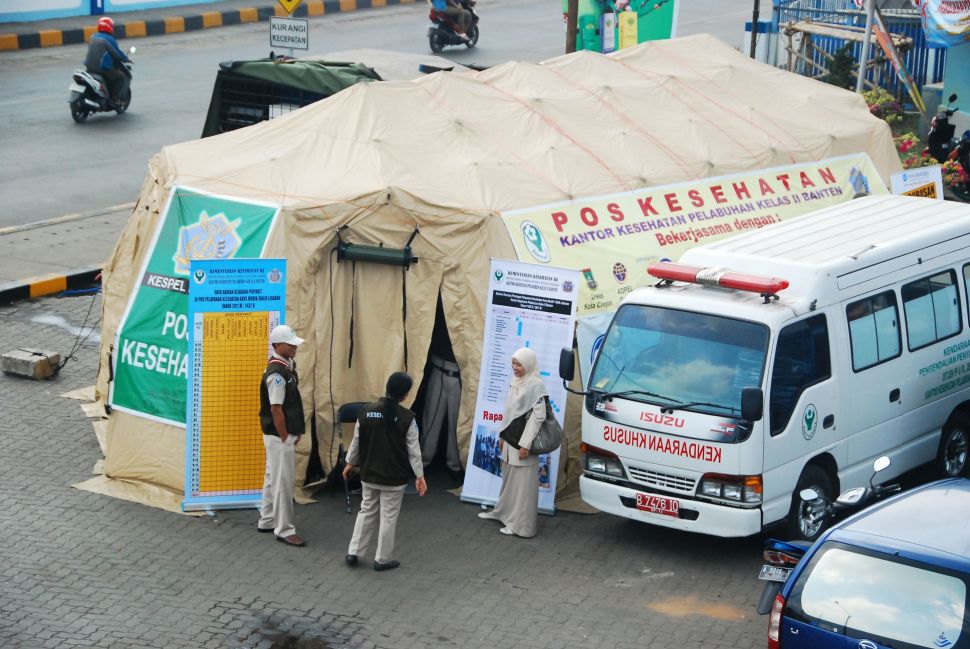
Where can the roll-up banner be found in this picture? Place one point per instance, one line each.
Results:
(528, 306)
(233, 305)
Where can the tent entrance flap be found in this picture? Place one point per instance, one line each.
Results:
(354, 252)
(438, 399)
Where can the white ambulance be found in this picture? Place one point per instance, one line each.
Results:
(782, 359)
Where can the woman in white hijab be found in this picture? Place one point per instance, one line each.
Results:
(518, 500)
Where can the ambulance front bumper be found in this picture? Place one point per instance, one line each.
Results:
(694, 515)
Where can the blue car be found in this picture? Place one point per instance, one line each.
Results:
(894, 576)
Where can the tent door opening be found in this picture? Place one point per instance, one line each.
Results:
(437, 401)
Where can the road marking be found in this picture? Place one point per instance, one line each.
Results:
(691, 606)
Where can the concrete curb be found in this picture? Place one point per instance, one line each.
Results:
(49, 284)
(184, 23)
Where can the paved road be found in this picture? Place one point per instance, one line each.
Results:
(80, 569)
(53, 167)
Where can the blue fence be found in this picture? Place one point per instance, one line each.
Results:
(925, 63)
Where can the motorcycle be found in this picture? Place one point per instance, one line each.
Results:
(961, 153)
(89, 94)
(781, 557)
(444, 30)
(940, 137)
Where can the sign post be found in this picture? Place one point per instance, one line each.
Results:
(289, 33)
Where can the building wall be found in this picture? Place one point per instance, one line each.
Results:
(12, 11)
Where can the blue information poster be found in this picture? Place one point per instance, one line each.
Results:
(233, 305)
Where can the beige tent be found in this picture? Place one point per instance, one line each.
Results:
(448, 153)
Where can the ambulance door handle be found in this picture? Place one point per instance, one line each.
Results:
(829, 421)
(894, 395)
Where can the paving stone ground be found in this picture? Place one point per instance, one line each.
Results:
(83, 570)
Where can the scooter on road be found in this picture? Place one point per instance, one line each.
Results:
(89, 94)
(444, 31)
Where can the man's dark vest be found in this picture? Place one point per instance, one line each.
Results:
(383, 452)
(292, 403)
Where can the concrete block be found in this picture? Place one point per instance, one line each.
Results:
(30, 363)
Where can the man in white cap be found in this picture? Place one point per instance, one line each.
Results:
(281, 418)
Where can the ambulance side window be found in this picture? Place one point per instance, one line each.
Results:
(802, 359)
(966, 282)
(873, 330)
(932, 308)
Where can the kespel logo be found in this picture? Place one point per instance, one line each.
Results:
(199, 276)
(567, 286)
(619, 272)
(535, 243)
(274, 276)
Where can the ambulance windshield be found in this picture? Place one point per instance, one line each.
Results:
(697, 361)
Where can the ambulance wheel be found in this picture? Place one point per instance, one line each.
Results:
(951, 459)
(804, 522)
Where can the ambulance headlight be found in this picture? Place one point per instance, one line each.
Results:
(601, 461)
(745, 489)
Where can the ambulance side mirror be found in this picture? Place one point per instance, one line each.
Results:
(752, 404)
(567, 364)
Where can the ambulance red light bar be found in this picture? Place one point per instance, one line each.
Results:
(724, 278)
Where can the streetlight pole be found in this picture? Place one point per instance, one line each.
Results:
(754, 26)
(572, 20)
(864, 55)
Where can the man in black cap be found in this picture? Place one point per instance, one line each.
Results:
(385, 446)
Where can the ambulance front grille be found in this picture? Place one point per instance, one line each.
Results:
(663, 480)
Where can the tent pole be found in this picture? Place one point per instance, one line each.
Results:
(864, 55)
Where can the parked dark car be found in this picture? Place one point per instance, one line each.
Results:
(896, 575)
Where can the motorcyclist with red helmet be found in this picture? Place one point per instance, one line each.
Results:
(106, 58)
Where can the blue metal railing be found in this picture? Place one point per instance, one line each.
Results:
(925, 63)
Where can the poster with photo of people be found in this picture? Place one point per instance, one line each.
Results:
(529, 305)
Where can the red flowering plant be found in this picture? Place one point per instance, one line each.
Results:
(954, 174)
(910, 152)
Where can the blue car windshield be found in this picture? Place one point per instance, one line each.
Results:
(848, 591)
(681, 357)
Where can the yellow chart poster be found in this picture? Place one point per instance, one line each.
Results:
(233, 305)
(612, 239)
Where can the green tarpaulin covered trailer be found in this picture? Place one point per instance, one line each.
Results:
(247, 92)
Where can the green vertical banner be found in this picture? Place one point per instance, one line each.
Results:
(150, 356)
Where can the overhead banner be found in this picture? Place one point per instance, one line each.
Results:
(612, 239)
(945, 22)
(528, 306)
(233, 305)
(150, 357)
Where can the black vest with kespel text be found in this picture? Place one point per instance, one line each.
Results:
(383, 449)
